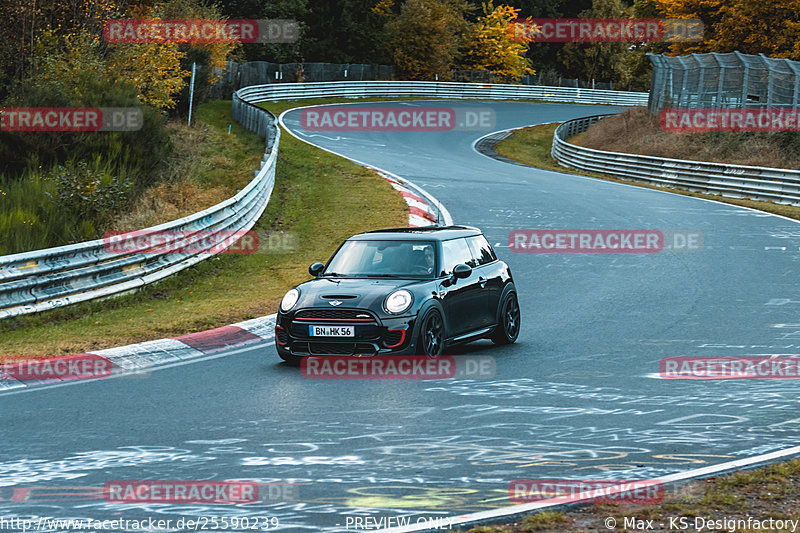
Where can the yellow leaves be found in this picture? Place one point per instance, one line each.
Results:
(383, 8)
(753, 27)
(709, 11)
(72, 48)
(490, 46)
(154, 68)
(64, 59)
(163, 69)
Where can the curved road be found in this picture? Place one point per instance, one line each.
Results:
(577, 396)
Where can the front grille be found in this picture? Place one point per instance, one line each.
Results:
(353, 315)
(333, 348)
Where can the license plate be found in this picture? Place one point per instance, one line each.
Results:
(331, 331)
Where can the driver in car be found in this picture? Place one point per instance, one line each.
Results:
(429, 259)
(422, 261)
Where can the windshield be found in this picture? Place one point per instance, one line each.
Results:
(384, 259)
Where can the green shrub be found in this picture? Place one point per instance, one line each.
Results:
(143, 151)
(91, 192)
(67, 203)
(29, 217)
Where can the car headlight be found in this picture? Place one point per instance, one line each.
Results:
(398, 301)
(289, 299)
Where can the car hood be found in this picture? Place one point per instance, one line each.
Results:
(362, 293)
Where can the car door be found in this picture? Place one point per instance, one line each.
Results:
(462, 297)
(489, 272)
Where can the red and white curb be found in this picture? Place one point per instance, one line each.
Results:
(138, 359)
(420, 213)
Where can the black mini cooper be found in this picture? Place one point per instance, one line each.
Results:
(400, 291)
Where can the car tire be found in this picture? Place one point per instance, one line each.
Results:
(291, 360)
(507, 330)
(431, 334)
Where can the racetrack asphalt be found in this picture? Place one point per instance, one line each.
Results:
(578, 396)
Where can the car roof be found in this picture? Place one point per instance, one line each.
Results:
(424, 233)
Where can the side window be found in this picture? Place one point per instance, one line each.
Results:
(481, 250)
(454, 252)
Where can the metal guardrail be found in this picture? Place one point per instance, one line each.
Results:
(45, 279)
(439, 89)
(736, 181)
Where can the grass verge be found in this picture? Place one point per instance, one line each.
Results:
(207, 166)
(531, 146)
(635, 131)
(767, 492)
(320, 197)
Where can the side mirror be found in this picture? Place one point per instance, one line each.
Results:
(316, 269)
(461, 271)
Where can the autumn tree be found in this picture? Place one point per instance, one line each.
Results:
(161, 71)
(153, 68)
(67, 65)
(710, 13)
(33, 30)
(769, 27)
(490, 46)
(22, 22)
(424, 38)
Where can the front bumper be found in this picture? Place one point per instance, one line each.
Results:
(377, 335)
